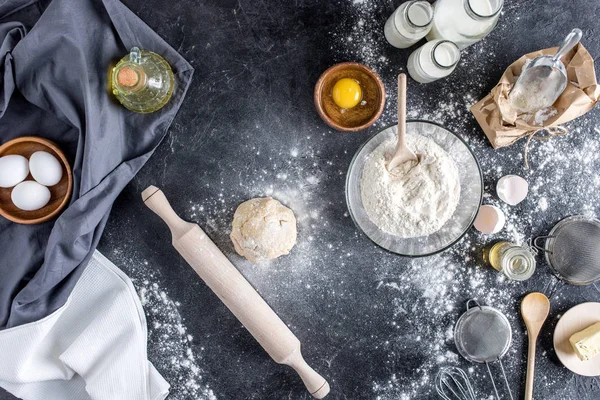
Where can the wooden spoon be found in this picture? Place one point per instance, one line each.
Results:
(403, 153)
(534, 310)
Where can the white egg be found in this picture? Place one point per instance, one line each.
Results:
(30, 196)
(512, 189)
(13, 170)
(45, 168)
(490, 219)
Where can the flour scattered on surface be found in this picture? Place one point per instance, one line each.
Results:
(169, 343)
(408, 307)
(365, 40)
(559, 179)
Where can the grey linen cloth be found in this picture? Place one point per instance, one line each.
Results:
(54, 85)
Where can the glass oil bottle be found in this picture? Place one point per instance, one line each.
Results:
(142, 81)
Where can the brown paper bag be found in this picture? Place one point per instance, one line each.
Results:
(501, 123)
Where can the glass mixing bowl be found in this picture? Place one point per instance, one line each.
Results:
(471, 193)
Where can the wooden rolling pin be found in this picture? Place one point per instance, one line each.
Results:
(235, 292)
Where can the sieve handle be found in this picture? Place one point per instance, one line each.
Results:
(505, 379)
(492, 379)
(474, 301)
(541, 247)
(494, 383)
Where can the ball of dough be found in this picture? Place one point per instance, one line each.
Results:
(263, 229)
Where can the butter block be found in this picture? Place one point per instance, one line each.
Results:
(587, 342)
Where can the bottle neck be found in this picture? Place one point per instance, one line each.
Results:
(131, 78)
(481, 13)
(451, 51)
(416, 16)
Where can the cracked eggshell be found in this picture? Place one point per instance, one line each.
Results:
(490, 219)
(512, 189)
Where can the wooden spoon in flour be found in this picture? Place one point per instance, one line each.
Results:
(403, 153)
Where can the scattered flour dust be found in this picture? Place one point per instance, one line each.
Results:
(560, 185)
(411, 200)
(441, 280)
(169, 343)
(364, 40)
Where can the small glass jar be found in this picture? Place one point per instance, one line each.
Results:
(464, 21)
(410, 23)
(516, 262)
(434, 60)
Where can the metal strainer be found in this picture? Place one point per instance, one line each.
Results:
(483, 335)
(572, 249)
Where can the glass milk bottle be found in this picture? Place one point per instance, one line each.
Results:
(409, 24)
(433, 60)
(464, 21)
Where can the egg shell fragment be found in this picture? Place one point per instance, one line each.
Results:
(45, 168)
(490, 219)
(13, 170)
(512, 189)
(30, 196)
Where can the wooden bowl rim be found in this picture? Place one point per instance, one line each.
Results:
(319, 90)
(63, 159)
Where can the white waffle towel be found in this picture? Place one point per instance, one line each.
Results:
(92, 348)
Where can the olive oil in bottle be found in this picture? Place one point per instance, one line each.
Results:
(142, 81)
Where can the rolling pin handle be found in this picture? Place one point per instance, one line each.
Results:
(156, 200)
(315, 383)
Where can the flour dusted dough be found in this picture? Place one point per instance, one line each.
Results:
(263, 229)
(411, 200)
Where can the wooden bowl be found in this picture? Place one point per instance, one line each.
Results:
(351, 119)
(60, 193)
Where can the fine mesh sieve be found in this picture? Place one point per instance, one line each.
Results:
(572, 249)
(483, 335)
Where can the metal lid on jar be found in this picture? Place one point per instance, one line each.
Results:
(518, 263)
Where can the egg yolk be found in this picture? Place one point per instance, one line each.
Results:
(347, 93)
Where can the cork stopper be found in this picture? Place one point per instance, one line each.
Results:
(127, 77)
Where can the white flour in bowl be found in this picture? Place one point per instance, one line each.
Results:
(414, 199)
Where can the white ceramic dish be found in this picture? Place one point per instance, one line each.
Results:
(576, 319)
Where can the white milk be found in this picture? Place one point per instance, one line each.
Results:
(464, 21)
(408, 24)
(419, 15)
(434, 60)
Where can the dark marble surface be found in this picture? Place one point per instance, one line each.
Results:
(374, 324)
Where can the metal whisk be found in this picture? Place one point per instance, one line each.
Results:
(452, 383)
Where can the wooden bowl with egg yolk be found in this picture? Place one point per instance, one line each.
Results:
(361, 116)
(59, 194)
